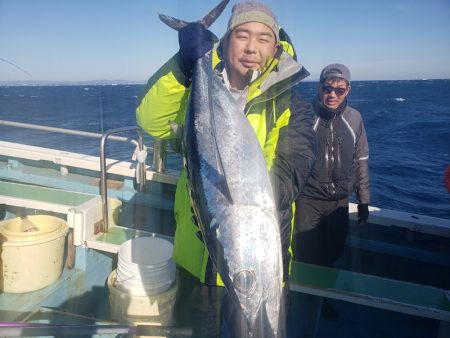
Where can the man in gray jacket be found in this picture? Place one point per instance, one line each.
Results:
(341, 168)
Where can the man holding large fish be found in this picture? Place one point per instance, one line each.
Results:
(249, 146)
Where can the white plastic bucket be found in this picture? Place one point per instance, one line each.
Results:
(32, 252)
(155, 309)
(141, 310)
(145, 266)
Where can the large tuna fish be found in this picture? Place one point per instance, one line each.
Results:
(232, 194)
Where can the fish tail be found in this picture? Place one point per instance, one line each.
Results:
(172, 22)
(207, 20)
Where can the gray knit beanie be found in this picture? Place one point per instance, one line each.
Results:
(253, 11)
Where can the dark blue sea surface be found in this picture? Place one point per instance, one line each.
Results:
(407, 123)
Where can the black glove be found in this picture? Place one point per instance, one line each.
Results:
(195, 40)
(363, 213)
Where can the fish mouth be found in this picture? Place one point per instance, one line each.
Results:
(245, 281)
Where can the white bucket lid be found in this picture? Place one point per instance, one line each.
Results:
(146, 251)
(145, 266)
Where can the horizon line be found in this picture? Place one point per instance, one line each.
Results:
(125, 82)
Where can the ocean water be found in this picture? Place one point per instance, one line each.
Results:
(407, 123)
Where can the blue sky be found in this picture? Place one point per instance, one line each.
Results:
(84, 40)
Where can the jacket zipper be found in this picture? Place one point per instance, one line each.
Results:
(332, 157)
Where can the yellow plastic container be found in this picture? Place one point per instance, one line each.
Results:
(31, 252)
(30, 228)
(114, 206)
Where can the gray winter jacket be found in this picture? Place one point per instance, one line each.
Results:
(342, 159)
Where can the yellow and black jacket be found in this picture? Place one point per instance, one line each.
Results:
(284, 127)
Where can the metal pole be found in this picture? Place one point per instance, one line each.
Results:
(59, 130)
(142, 172)
(159, 156)
(18, 329)
(103, 186)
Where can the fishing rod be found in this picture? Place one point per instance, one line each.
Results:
(16, 66)
(20, 329)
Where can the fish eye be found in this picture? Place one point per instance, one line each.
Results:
(245, 281)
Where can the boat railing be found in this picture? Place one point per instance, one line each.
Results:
(159, 147)
(159, 154)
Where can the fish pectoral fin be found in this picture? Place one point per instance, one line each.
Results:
(222, 185)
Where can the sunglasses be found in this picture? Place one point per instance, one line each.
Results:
(328, 89)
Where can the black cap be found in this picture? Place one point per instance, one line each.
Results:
(335, 70)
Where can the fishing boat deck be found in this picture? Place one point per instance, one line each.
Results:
(39, 180)
(74, 291)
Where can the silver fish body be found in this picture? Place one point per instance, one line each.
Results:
(231, 193)
(233, 199)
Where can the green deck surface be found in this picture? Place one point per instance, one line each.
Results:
(339, 284)
(347, 283)
(353, 283)
(43, 194)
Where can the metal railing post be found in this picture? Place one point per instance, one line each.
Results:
(142, 172)
(104, 225)
(159, 155)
